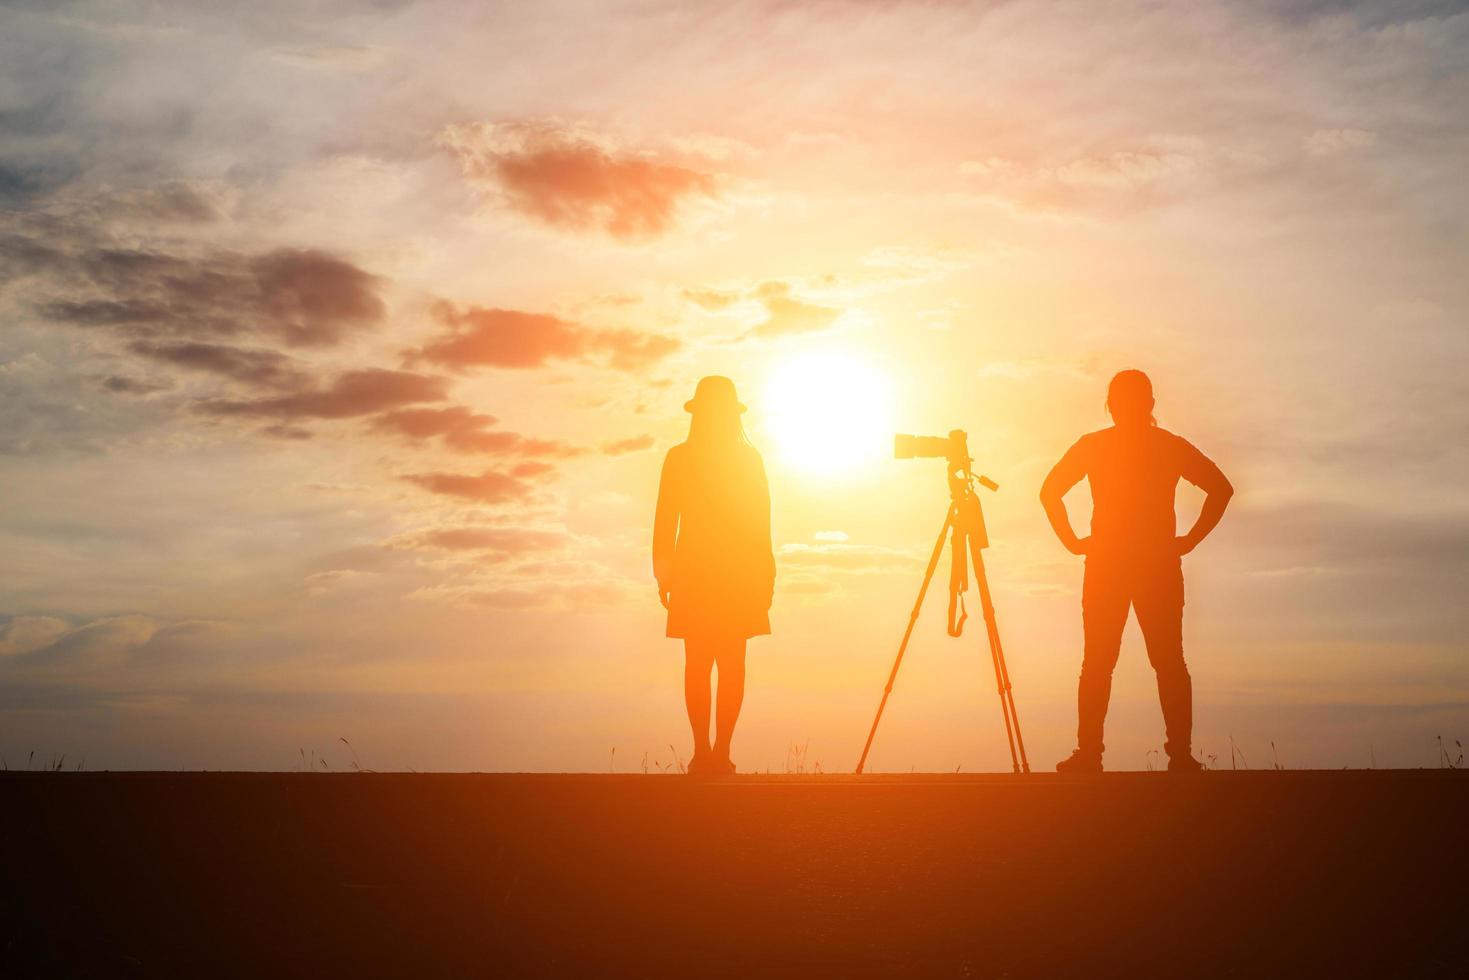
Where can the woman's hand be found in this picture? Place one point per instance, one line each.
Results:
(1080, 546)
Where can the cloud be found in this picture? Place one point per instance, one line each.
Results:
(505, 540)
(75, 276)
(168, 201)
(312, 297)
(1144, 174)
(601, 590)
(632, 445)
(337, 581)
(711, 299)
(290, 433)
(352, 394)
(329, 57)
(491, 487)
(806, 585)
(1328, 535)
(906, 265)
(1126, 170)
(568, 179)
(119, 385)
(783, 313)
(100, 639)
(1329, 142)
(487, 337)
(252, 366)
(839, 556)
(23, 634)
(1319, 567)
(464, 431)
(187, 637)
(1030, 368)
(786, 315)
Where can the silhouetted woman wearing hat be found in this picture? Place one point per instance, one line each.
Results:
(713, 561)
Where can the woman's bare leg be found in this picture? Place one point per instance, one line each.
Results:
(730, 655)
(698, 661)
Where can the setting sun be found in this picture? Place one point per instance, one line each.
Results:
(827, 412)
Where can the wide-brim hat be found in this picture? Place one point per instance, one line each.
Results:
(715, 391)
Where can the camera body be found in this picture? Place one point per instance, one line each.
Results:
(954, 447)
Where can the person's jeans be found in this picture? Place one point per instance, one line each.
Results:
(1154, 587)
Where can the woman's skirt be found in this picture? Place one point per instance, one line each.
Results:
(695, 613)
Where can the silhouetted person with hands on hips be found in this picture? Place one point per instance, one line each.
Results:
(713, 561)
(1133, 558)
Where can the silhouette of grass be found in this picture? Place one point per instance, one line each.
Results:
(57, 763)
(797, 760)
(650, 765)
(1444, 762)
(1236, 755)
(310, 763)
(356, 763)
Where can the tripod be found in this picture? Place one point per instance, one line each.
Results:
(965, 526)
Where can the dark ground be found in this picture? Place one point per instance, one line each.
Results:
(1224, 874)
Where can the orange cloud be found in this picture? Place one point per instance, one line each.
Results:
(839, 556)
(784, 313)
(466, 432)
(491, 486)
(489, 337)
(352, 394)
(711, 299)
(788, 315)
(632, 445)
(564, 178)
(518, 540)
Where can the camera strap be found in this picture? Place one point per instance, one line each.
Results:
(958, 581)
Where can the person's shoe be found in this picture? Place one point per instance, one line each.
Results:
(724, 767)
(1080, 761)
(700, 765)
(1184, 763)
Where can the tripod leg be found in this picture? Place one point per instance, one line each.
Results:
(1002, 674)
(933, 561)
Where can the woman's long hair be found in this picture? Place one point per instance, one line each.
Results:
(717, 429)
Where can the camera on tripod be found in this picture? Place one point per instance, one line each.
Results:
(953, 447)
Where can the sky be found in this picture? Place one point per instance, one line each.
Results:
(341, 343)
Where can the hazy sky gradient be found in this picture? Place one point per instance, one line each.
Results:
(341, 344)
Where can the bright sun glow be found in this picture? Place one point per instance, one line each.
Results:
(828, 412)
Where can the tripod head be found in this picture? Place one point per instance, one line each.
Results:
(955, 449)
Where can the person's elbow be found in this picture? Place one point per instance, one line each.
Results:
(1223, 490)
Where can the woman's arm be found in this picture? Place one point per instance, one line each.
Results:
(665, 528)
